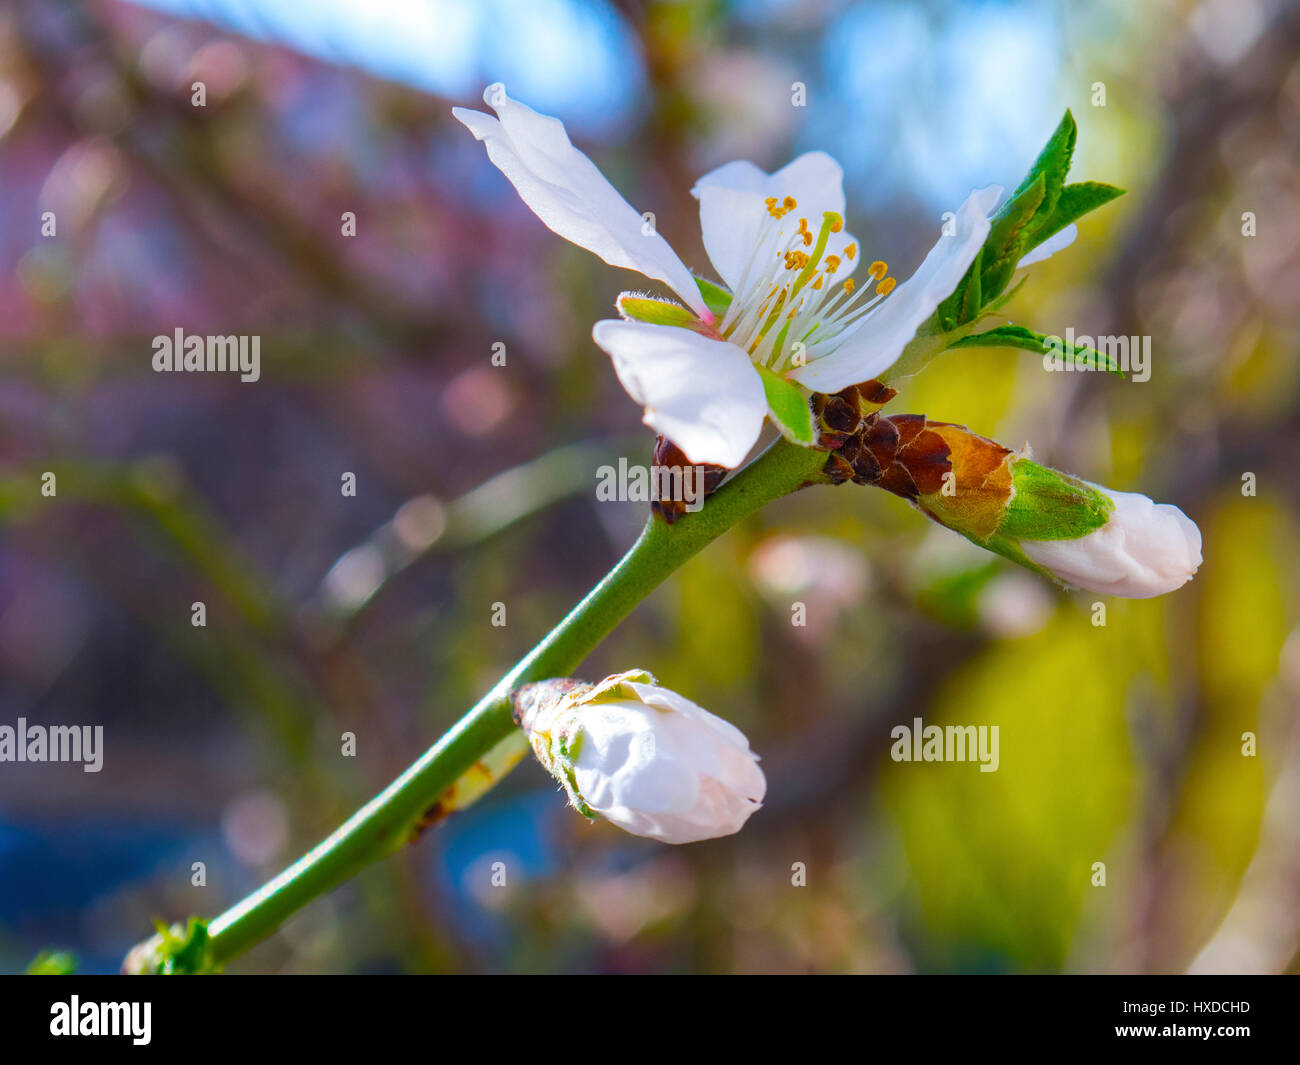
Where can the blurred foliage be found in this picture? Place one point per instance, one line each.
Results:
(1120, 743)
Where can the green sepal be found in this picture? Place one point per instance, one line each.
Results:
(1017, 336)
(653, 311)
(1010, 549)
(789, 407)
(1005, 546)
(1050, 505)
(716, 298)
(610, 690)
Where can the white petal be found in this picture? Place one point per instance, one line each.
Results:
(675, 775)
(876, 344)
(814, 176)
(703, 394)
(666, 699)
(571, 196)
(1063, 238)
(1145, 549)
(732, 208)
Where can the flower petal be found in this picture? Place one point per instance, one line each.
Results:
(703, 394)
(877, 342)
(1145, 549)
(732, 208)
(1061, 239)
(571, 196)
(813, 176)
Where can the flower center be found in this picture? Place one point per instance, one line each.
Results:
(788, 310)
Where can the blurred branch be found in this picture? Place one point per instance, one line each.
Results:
(177, 147)
(156, 488)
(425, 525)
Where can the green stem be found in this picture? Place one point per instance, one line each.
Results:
(390, 819)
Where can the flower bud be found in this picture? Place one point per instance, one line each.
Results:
(1144, 549)
(1115, 543)
(642, 756)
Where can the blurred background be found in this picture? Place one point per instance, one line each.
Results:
(371, 614)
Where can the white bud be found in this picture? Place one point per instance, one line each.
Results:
(1145, 549)
(643, 757)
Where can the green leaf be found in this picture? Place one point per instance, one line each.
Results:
(716, 298)
(1052, 164)
(655, 311)
(789, 408)
(1075, 201)
(1017, 336)
(1012, 217)
(1007, 239)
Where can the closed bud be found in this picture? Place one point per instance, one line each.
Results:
(1115, 543)
(642, 756)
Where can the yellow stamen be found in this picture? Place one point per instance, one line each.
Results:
(877, 270)
(832, 263)
(885, 287)
(849, 286)
(818, 283)
(850, 251)
(829, 221)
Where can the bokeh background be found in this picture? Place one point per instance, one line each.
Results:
(1120, 744)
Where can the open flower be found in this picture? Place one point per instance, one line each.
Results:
(643, 757)
(792, 319)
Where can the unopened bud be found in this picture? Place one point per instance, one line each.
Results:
(1115, 543)
(642, 756)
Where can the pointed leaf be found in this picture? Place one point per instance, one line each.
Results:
(1017, 336)
(1052, 164)
(1075, 201)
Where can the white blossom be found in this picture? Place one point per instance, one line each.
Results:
(649, 760)
(776, 240)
